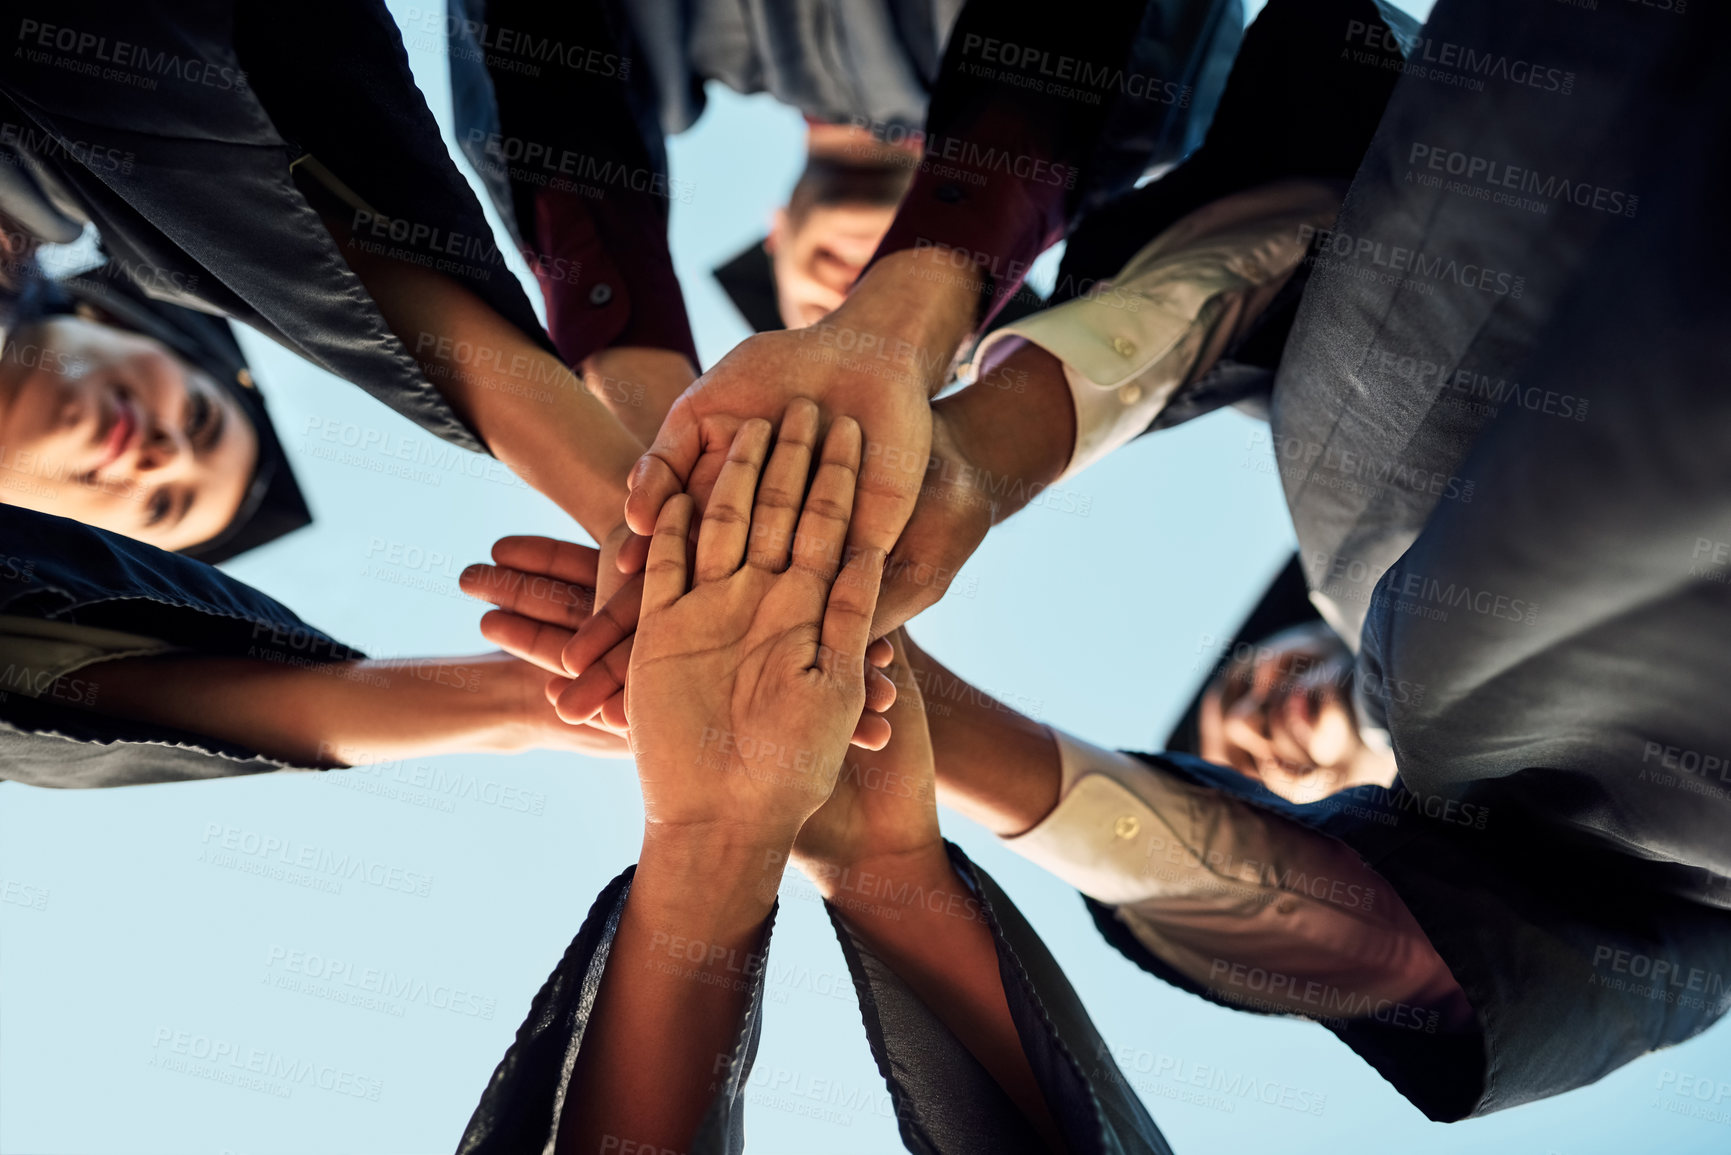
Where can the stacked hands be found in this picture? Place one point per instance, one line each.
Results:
(749, 665)
(933, 478)
(731, 636)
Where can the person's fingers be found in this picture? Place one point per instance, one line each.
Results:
(587, 693)
(662, 471)
(871, 732)
(822, 532)
(892, 476)
(721, 536)
(782, 490)
(880, 690)
(564, 560)
(880, 653)
(847, 618)
(611, 624)
(533, 641)
(664, 578)
(613, 713)
(632, 555)
(530, 595)
(555, 686)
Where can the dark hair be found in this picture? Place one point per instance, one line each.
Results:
(828, 181)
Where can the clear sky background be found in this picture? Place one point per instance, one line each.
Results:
(122, 938)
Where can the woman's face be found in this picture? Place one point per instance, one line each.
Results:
(111, 429)
(1282, 714)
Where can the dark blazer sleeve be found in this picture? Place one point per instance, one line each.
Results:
(1019, 108)
(557, 114)
(520, 1110)
(59, 570)
(1575, 962)
(180, 155)
(945, 1101)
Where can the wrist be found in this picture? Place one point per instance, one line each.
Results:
(892, 897)
(871, 871)
(712, 879)
(927, 297)
(1017, 420)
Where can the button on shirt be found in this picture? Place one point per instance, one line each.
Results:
(1261, 911)
(1127, 347)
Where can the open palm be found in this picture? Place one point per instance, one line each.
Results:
(747, 673)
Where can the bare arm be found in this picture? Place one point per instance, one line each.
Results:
(345, 713)
(530, 410)
(669, 1009)
(994, 765)
(876, 854)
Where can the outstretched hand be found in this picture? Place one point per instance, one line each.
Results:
(746, 676)
(878, 359)
(543, 589)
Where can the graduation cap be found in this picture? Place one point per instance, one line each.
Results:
(273, 504)
(748, 279)
(1286, 603)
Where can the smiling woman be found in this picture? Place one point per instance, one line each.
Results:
(114, 430)
(140, 417)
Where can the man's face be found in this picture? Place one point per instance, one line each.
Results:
(818, 258)
(1282, 714)
(111, 429)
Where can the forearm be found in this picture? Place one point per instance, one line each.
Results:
(913, 308)
(638, 385)
(994, 765)
(1016, 423)
(941, 946)
(678, 982)
(533, 413)
(342, 713)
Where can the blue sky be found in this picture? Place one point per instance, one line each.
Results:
(137, 959)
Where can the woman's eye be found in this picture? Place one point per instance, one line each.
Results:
(158, 507)
(198, 414)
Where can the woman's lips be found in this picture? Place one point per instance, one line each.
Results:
(122, 431)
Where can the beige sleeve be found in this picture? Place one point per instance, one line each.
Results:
(1260, 909)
